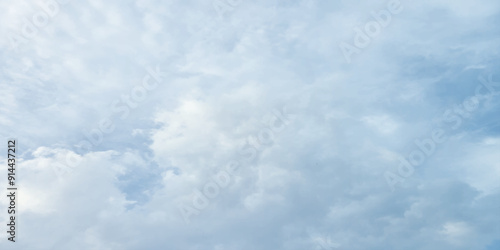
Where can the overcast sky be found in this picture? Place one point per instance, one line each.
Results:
(244, 125)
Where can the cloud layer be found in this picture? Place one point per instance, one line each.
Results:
(258, 132)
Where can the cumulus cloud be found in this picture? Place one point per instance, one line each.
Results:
(258, 130)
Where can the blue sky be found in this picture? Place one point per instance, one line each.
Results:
(217, 125)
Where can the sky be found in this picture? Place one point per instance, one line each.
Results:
(236, 124)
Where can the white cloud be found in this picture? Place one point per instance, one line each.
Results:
(319, 182)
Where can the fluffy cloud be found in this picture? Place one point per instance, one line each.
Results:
(265, 86)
